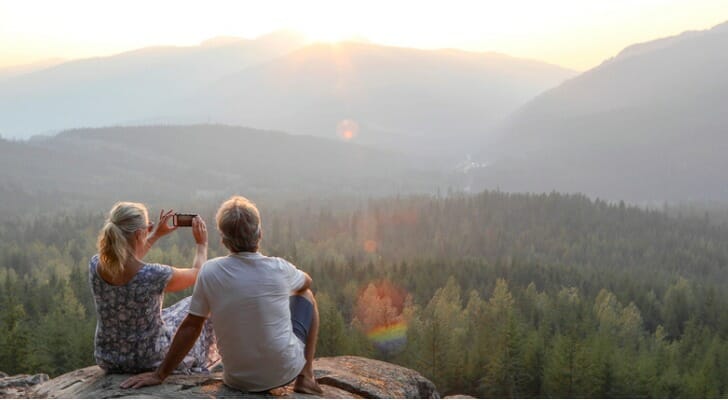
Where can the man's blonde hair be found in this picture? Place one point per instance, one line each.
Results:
(238, 221)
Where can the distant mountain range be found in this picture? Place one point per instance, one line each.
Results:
(180, 164)
(413, 101)
(650, 124)
(18, 70)
(418, 101)
(124, 88)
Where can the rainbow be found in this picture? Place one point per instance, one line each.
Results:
(389, 337)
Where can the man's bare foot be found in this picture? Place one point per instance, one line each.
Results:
(278, 392)
(307, 385)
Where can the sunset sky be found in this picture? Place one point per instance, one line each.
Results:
(575, 34)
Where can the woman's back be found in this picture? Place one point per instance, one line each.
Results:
(131, 334)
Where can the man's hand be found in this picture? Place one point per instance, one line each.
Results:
(141, 380)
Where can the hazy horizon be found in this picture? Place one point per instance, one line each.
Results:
(572, 34)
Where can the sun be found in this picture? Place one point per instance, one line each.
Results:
(328, 33)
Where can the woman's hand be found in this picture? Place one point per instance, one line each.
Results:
(199, 230)
(163, 227)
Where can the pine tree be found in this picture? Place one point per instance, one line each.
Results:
(504, 371)
(63, 338)
(332, 331)
(443, 332)
(14, 344)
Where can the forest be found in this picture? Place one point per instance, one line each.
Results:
(491, 294)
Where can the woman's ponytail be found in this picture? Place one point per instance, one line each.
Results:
(115, 238)
(113, 249)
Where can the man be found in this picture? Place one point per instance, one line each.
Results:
(263, 312)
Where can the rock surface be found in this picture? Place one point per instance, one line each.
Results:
(340, 377)
(19, 385)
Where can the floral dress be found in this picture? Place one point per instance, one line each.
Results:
(133, 332)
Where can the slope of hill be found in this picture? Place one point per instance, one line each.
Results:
(17, 70)
(166, 163)
(419, 101)
(124, 87)
(647, 125)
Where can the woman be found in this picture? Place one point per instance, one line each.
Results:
(133, 332)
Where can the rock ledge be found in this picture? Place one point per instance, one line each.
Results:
(340, 377)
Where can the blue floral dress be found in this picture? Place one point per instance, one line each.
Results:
(133, 332)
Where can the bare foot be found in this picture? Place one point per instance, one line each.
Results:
(278, 392)
(307, 385)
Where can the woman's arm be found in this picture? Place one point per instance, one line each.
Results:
(182, 278)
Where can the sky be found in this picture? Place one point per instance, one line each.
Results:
(577, 34)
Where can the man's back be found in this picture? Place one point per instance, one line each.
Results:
(247, 295)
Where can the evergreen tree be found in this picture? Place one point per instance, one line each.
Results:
(14, 344)
(332, 331)
(63, 338)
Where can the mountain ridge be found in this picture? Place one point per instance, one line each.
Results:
(399, 97)
(163, 163)
(643, 127)
(394, 88)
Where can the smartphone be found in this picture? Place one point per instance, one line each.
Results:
(182, 219)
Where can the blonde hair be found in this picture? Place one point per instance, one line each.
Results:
(238, 221)
(115, 238)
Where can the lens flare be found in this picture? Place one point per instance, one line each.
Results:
(347, 129)
(389, 338)
(379, 314)
(370, 246)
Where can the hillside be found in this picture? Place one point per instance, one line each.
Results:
(8, 72)
(165, 163)
(417, 101)
(646, 125)
(124, 88)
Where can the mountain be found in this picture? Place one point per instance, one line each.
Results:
(124, 88)
(416, 101)
(646, 125)
(86, 167)
(17, 70)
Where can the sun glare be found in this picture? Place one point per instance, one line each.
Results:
(548, 31)
(347, 129)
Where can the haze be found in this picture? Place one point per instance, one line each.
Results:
(573, 34)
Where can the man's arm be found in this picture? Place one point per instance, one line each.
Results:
(183, 341)
(306, 284)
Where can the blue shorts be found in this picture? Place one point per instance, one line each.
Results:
(301, 316)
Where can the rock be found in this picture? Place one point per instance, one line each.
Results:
(373, 379)
(19, 385)
(340, 377)
(3, 374)
(459, 396)
(23, 380)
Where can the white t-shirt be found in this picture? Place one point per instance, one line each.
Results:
(248, 297)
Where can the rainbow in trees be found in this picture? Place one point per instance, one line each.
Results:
(389, 338)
